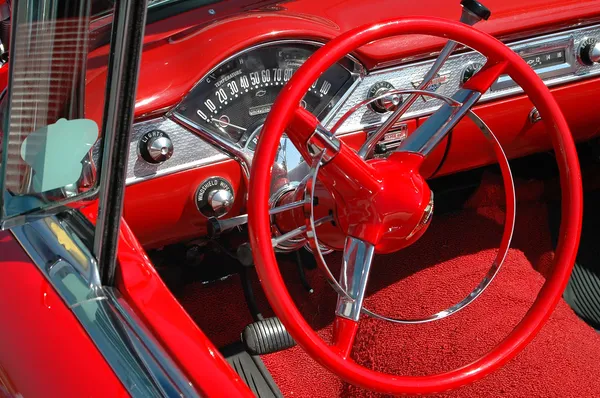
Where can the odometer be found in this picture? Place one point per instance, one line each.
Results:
(233, 100)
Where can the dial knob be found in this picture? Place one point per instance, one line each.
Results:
(388, 103)
(214, 197)
(155, 146)
(221, 201)
(589, 51)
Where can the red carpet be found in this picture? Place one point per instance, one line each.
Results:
(562, 361)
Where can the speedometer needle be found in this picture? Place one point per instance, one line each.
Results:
(219, 121)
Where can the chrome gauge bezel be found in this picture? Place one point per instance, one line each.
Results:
(238, 152)
(357, 72)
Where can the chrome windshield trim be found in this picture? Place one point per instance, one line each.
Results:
(138, 360)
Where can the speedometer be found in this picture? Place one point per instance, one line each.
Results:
(233, 100)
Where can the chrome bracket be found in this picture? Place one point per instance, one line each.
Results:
(354, 275)
(322, 141)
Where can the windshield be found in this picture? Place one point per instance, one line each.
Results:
(51, 126)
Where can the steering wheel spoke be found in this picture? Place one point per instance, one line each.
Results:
(487, 75)
(344, 334)
(438, 125)
(354, 276)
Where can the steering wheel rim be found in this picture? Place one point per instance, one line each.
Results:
(259, 223)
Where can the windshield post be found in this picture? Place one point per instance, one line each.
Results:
(126, 46)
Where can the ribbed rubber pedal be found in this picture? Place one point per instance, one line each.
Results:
(583, 294)
(266, 336)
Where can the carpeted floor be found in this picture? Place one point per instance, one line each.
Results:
(445, 265)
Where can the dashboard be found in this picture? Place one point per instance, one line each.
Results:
(219, 120)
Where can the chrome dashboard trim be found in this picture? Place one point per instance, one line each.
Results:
(212, 148)
(138, 360)
(548, 44)
(367, 147)
(235, 151)
(402, 76)
(190, 151)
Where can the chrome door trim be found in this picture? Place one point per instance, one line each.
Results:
(137, 358)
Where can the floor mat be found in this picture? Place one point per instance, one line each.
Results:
(440, 269)
(583, 291)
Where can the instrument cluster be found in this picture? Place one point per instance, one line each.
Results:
(234, 99)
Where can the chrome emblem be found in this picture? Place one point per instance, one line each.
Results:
(435, 84)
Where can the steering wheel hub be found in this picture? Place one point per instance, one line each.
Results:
(393, 216)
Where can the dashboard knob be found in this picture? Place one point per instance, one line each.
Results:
(589, 51)
(476, 8)
(214, 197)
(155, 146)
(221, 201)
(389, 103)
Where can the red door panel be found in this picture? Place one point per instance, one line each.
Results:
(44, 351)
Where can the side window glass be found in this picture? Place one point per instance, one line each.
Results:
(50, 121)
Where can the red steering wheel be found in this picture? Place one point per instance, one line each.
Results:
(379, 213)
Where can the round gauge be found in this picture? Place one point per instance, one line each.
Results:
(234, 99)
(469, 71)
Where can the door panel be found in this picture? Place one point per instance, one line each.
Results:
(44, 352)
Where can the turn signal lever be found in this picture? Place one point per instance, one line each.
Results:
(472, 12)
(215, 226)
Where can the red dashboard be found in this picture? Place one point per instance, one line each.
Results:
(182, 50)
(240, 105)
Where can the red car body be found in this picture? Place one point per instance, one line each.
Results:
(44, 351)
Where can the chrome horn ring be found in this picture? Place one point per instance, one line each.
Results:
(509, 223)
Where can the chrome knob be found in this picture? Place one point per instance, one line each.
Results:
(214, 197)
(387, 103)
(220, 201)
(156, 147)
(589, 51)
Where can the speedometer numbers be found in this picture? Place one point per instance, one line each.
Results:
(235, 98)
